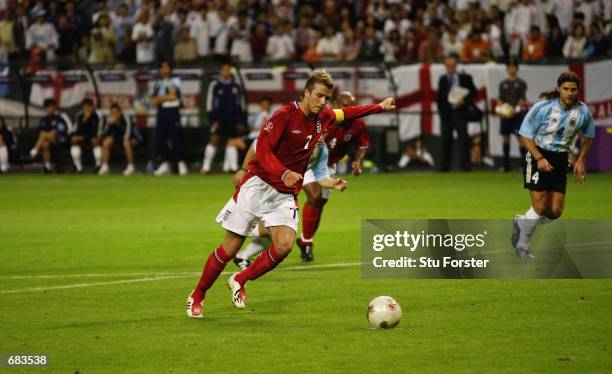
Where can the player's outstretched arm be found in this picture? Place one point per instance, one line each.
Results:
(348, 113)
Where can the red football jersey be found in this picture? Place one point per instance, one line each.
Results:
(286, 142)
(344, 135)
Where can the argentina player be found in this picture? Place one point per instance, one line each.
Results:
(548, 132)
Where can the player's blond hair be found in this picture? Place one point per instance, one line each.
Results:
(319, 76)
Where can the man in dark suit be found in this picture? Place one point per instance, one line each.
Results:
(453, 115)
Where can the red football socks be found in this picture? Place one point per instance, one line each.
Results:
(266, 261)
(213, 267)
(310, 221)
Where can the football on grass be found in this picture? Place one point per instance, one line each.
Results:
(384, 312)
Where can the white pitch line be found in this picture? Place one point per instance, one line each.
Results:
(162, 276)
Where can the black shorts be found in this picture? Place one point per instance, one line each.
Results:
(511, 126)
(229, 125)
(556, 180)
(88, 132)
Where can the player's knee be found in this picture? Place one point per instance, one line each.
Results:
(555, 212)
(284, 246)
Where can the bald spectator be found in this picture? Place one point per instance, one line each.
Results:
(185, 48)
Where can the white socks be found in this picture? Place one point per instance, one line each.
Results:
(403, 161)
(34, 152)
(75, 152)
(254, 248)
(4, 159)
(209, 155)
(528, 224)
(232, 153)
(97, 152)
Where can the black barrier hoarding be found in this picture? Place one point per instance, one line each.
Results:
(479, 249)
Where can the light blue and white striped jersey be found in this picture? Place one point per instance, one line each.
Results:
(555, 129)
(319, 167)
(161, 87)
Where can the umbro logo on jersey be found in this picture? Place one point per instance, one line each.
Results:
(296, 131)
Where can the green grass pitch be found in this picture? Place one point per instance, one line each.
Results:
(98, 270)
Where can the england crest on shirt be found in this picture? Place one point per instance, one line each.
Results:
(318, 127)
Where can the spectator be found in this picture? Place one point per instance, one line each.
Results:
(280, 46)
(53, 129)
(198, 30)
(185, 49)
(118, 130)
(370, 46)
(122, 24)
(259, 42)
(535, 45)
(431, 49)
(452, 44)
(391, 47)
(84, 50)
(555, 40)
(329, 46)
(42, 36)
(563, 10)
(597, 44)
(142, 35)
(101, 51)
(69, 37)
(517, 23)
(164, 35)
(7, 41)
(494, 37)
(222, 40)
(475, 49)
(350, 47)
(239, 36)
(575, 45)
(72, 15)
(305, 36)
(456, 92)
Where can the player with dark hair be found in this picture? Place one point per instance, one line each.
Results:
(118, 130)
(512, 99)
(167, 100)
(270, 188)
(225, 102)
(549, 130)
(88, 128)
(339, 138)
(52, 128)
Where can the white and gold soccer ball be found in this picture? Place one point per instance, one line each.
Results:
(506, 111)
(384, 312)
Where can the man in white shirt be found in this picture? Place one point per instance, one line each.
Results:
(280, 45)
(199, 30)
(142, 35)
(330, 45)
(42, 35)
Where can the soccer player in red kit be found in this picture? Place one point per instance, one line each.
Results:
(339, 139)
(270, 188)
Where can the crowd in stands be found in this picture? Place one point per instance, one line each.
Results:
(188, 31)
